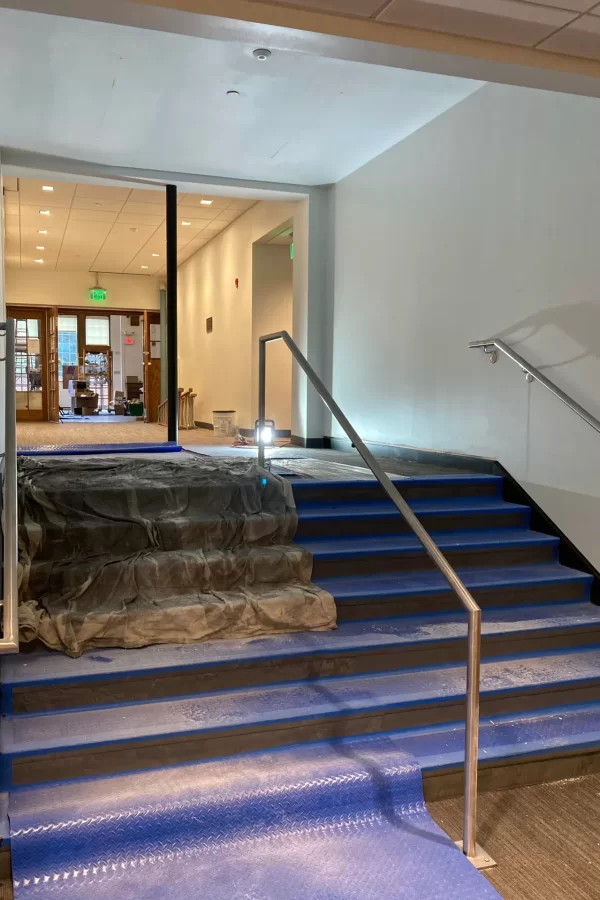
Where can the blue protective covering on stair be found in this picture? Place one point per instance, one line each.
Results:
(399, 632)
(96, 449)
(23, 735)
(325, 822)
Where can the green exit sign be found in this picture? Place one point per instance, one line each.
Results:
(97, 294)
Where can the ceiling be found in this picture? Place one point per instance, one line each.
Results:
(125, 96)
(94, 228)
(563, 26)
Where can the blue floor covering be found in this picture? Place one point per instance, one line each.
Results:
(23, 735)
(369, 634)
(325, 821)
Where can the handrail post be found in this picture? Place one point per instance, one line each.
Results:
(469, 844)
(472, 733)
(10, 613)
(262, 389)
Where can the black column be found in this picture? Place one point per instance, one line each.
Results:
(172, 393)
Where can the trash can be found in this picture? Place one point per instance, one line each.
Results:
(224, 422)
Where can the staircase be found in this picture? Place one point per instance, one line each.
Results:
(394, 665)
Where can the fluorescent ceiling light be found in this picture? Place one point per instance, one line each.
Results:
(206, 203)
(39, 260)
(47, 187)
(186, 223)
(39, 247)
(144, 267)
(45, 231)
(44, 212)
(156, 254)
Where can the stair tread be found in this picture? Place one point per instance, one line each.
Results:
(352, 587)
(504, 737)
(369, 634)
(445, 506)
(468, 478)
(354, 545)
(298, 701)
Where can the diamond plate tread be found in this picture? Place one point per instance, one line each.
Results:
(322, 822)
(363, 545)
(53, 668)
(292, 702)
(348, 588)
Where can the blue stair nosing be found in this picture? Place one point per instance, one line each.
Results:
(228, 711)
(402, 633)
(347, 589)
(380, 509)
(417, 480)
(354, 546)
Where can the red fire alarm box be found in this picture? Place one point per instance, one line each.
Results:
(129, 341)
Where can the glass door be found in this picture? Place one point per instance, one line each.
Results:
(30, 364)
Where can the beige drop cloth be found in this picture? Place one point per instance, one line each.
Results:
(129, 552)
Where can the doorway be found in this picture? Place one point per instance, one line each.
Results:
(31, 363)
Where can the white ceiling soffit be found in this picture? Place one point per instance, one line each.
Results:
(147, 99)
(97, 228)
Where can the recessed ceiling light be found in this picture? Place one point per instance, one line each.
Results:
(39, 247)
(206, 203)
(47, 187)
(261, 54)
(44, 231)
(156, 254)
(44, 212)
(134, 229)
(144, 267)
(39, 260)
(233, 93)
(186, 223)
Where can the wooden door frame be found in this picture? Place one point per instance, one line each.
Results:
(16, 311)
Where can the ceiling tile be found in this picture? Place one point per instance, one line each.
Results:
(133, 208)
(159, 195)
(507, 21)
(120, 247)
(365, 8)
(582, 38)
(139, 220)
(574, 5)
(229, 215)
(101, 192)
(30, 216)
(90, 203)
(595, 11)
(198, 212)
(93, 215)
(241, 204)
(196, 200)
(31, 193)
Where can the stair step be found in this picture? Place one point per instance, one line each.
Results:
(386, 553)
(41, 747)
(312, 491)
(451, 514)
(44, 681)
(408, 593)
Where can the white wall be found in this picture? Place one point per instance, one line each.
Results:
(485, 222)
(272, 310)
(39, 288)
(218, 366)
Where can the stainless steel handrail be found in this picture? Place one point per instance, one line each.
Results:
(469, 843)
(9, 642)
(531, 372)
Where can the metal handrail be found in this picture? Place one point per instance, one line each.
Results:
(531, 372)
(469, 843)
(9, 642)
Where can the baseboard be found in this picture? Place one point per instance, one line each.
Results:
(206, 425)
(479, 464)
(323, 443)
(568, 554)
